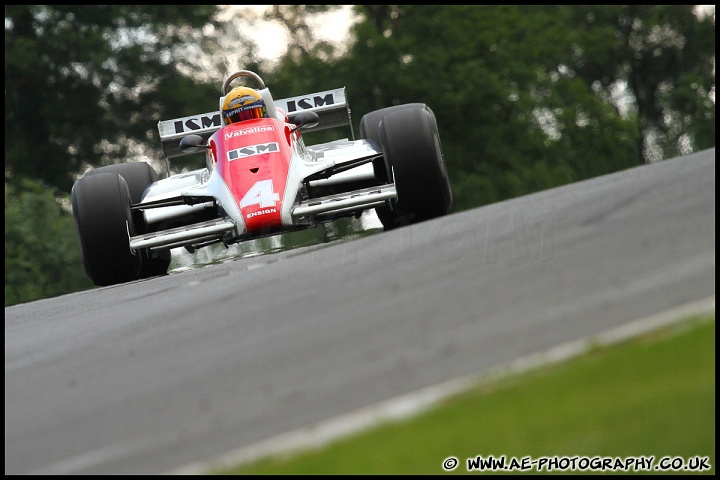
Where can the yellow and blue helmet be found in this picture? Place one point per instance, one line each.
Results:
(243, 103)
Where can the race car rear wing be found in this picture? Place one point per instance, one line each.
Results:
(331, 106)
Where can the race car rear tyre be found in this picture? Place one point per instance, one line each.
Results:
(101, 206)
(370, 130)
(138, 175)
(155, 263)
(413, 151)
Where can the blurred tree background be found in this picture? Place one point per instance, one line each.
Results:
(526, 97)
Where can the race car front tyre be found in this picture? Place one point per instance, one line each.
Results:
(138, 175)
(370, 130)
(101, 206)
(413, 151)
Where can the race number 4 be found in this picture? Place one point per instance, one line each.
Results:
(261, 194)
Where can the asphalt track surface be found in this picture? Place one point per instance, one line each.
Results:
(146, 377)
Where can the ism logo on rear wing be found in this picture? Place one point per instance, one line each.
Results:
(330, 105)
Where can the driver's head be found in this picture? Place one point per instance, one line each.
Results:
(242, 103)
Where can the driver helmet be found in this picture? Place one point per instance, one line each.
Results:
(243, 103)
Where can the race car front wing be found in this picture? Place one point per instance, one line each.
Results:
(217, 229)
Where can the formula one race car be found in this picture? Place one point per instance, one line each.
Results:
(260, 179)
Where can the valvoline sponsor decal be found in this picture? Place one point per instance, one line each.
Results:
(246, 131)
(254, 159)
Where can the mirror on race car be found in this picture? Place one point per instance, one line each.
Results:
(305, 119)
(192, 143)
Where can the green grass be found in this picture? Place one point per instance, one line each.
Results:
(650, 396)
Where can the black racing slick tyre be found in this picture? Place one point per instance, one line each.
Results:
(155, 264)
(101, 206)
(370, 130)
(413, 152)
(138, 176)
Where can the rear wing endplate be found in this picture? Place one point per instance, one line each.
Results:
(331, 106)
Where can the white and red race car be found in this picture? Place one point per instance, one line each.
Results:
(260, 179)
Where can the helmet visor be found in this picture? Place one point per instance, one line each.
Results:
(245, 112)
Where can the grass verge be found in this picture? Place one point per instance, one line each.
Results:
(652, 396)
